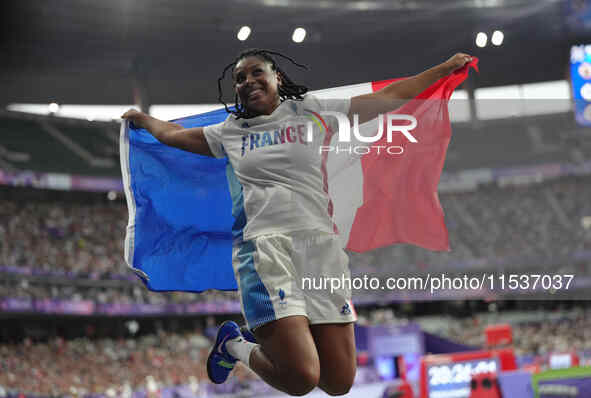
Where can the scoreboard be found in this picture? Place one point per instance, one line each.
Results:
(449, 375)
(580, 73)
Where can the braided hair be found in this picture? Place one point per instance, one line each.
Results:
(287, 89)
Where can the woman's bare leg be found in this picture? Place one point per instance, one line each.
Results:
(335, 344)
(286, 357)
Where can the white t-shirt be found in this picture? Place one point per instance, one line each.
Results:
(283, 176)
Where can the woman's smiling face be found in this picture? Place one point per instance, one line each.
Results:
(257, 85)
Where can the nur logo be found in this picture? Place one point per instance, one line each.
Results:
(344, 133)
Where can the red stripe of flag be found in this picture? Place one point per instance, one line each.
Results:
(400, 200)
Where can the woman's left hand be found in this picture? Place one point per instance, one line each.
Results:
(456, 62)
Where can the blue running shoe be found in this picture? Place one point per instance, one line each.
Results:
(248, 335)
(219, 362)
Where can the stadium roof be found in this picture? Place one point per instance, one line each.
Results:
(89, 52)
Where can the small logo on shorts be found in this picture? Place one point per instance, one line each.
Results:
(346, 310)
(282, 300)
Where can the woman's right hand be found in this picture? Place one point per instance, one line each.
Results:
(170, 133)
(138, 118)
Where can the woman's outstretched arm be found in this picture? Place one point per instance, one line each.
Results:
(171, 134)
(393, 96)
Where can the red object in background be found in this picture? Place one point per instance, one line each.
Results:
(362, 358)
(498, 335)
(535, 368)
(485, 385)
(506, 358)
(406, 389)
(401, 368)
(400, 390)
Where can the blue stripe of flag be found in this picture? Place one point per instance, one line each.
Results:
(182, 238)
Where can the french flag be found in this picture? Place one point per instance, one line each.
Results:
(179, 233)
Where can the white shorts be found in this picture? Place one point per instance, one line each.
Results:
(272, 272)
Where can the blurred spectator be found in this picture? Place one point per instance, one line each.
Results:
(86, 240)
(538, 333)
(82, 366)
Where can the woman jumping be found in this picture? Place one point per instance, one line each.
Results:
(284, 229)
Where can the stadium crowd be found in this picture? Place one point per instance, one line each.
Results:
(83, 366)
(126, 293)
(490, 228)
(550, 220)
(535, 333)
(79, 239)
(116, 367)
